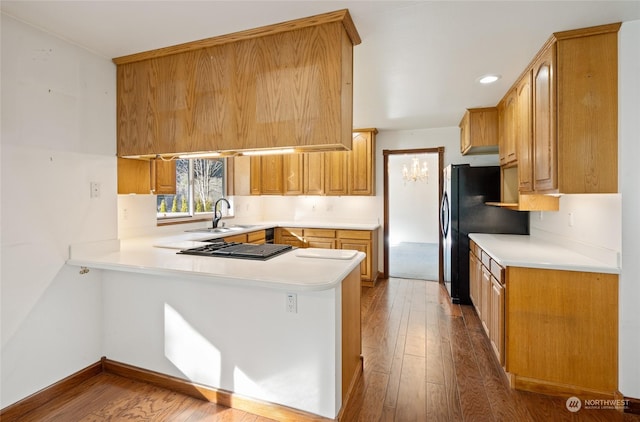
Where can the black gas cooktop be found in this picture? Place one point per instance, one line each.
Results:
(238, 250)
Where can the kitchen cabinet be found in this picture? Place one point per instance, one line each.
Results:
(258, 237)
(364, 241)
(313, 173)
(146, 176)
(553, 331)
(362, 163)
(289, 236)
(361, 240)
(284, 85)
(293, 174)
(507, 124)
(320, 238)
(565, 122)
(479, 131)
(475, 275)
(524, 135)
(496, 313)
(318, 173)
(255, 237)
(336, 173)
(544, 120)
(566, 113)
(487, 292)
(267, 175)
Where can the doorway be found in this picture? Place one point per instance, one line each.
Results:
(412, 242)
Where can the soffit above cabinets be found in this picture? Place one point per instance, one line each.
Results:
(287, 85)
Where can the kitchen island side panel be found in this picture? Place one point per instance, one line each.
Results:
(236, 338)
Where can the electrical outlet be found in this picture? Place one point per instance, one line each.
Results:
(292, 303)
(95, 189)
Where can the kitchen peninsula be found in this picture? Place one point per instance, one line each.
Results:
(284, 331)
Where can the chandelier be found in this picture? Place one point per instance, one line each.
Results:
(417, 171)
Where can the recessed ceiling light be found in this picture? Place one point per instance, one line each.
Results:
(488, 79)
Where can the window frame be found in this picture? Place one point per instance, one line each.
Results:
(167, 219)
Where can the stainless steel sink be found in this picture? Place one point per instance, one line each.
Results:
(228, 229)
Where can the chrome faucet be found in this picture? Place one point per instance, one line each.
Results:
(217, 218)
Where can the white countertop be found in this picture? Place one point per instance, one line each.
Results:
(284, 272)
(511, 250)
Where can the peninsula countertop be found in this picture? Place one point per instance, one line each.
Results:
(293, 270)
(510, 250)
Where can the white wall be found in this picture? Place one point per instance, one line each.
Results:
(239, 339)
(629, 153)
(58, 135)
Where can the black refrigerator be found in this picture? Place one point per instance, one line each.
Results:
(463, 211)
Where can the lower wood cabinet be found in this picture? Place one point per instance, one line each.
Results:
(257, 237)
(364, 241)
(553, 331)
(361, 240)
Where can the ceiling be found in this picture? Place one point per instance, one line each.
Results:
(416, 67)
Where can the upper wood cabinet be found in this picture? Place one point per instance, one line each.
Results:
(318, 173)
(587, 110)
(545, 164)
(507, 128)
(313, 169)
(336, 172)
(146, 176)
(479, 131)
(524, 137)
(566, 108)
(284, 85)
(362, 163)
(293, 174)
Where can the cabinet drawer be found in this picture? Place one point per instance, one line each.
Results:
(497, 271)
(354, 234)
(256, 237)
(320, 233)
(240, 238)
(486, 259)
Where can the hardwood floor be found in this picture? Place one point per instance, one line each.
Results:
(425, 359)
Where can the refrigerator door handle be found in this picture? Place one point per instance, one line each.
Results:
(444, 215)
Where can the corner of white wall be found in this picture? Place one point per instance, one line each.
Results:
(629, 179)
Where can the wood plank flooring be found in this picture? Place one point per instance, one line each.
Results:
(425, 359)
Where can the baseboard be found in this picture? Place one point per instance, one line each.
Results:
(352, 386)
(560, 390)
(222, 397)
(632, 405)
(17, 410)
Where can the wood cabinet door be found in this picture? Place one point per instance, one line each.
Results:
(271, 180)
(475, 273)
(545, 156)
(314, 173)
(362, 163)
(335, 172)
(293, 172)
(255, 176)
(465, 136)
(485, 299)
(496, 325)
(506, 129)
(523, 134)
(163, 177)
(362, 246)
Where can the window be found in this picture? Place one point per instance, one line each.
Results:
(199, 183)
